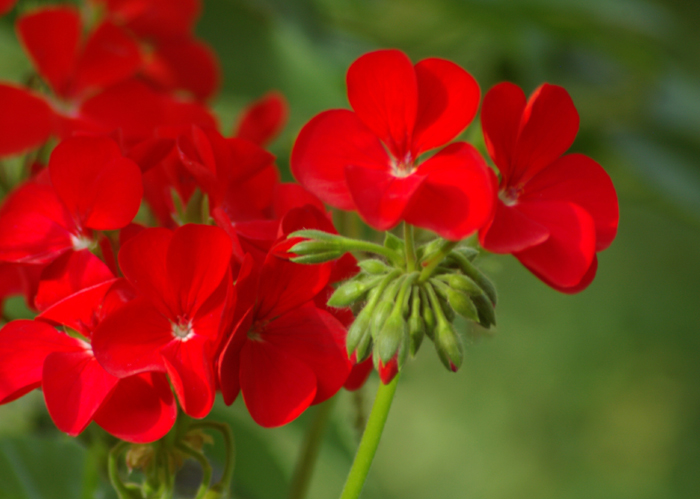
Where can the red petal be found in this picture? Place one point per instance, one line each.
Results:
(198, 258)
(448, 98)
(69, 274)
(578, 179)
(358, 376)
(51, 36)
(143, 262)
(458, 193)
(98, 185)
(191, 369)
(383, 91)
(389, 371)
(230, 358)
(140, 409)
(26, 120)
(501, 114)
(585, 281)
(157, 18)
(276, 386)
(511, 231)
(548, 128)
(129, 340)
(74, 386)
(24, 346)
(35, 226)
(381, 197)
(262, 120)
(187, 63)
(110, 56)
(567, 254)
(6, 6)
(80, 311)
(289, 196)
(285, 285)
(326, 146)
(317, 339)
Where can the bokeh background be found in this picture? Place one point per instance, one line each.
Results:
(595, 395)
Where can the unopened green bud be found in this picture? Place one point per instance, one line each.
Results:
(487, 315)
(374, 267)
(387, 342)
(364, 347)
(357, 329)
(468, 252)
(313, 247)
(462, 283)
(318, 235)
(480, 279)
(449, 346)
(352, 291)
(416, 331)
(461, 304)
(431, 247)
(394, 243)
(404, 348)
(444, 304)
(318, 257)
(381, 314)
(428, 315)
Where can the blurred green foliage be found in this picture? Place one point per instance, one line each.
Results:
(574, 397)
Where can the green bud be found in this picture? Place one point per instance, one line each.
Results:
(394, 243)
(468, 252)
(404, 348)
(487, 315)
(431, 247)
(480, 279)
(381, 314)
(374, 267)
(387, 342)
(462, 283)
(449, 346)
(428, 314)
(351, 291)
(317, 257)
(311, 247)
(357, 329)
(441, 290)
(416, 331)
(461, 304)
(364, 347)
(317, 235)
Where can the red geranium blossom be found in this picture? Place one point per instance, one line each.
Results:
(89, 186)
(367, 160)
(553, 212)
(184, 282)
(284, 352)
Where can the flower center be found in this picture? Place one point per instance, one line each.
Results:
(81, 242)
(510, 195)
(256, 330)
(402, 168)
(182, 329)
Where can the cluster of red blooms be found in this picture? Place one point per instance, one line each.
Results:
(127, 313)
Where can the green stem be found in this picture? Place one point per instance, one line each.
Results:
(410, 247)
(309, 453)
(225, 483)
(435, 259)
(370, 440)
(206, 467)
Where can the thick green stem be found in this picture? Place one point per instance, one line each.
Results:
(435, 259)
(410, 247)
(309, 453)
(370, 440)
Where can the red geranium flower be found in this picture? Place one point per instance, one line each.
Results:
(553, 212)
(284, 352)
(92, 187)
(184, 282)
(262, 120)
(367, 160)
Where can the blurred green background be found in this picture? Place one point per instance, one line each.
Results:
(595, 395)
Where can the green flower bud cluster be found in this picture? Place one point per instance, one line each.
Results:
(402, 303)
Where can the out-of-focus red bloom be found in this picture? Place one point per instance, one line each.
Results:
(184, 283)
(367, 160)
(284, 352)
(92, 187)
(262, 120)
(154, 19)
(81, 292)
(6, 6)
(52, 38)
(553, 212)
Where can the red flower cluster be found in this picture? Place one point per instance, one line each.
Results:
(208, 300)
